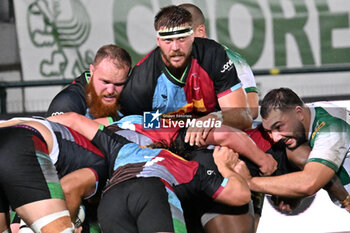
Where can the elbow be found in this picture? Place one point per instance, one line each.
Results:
(254, 112)
(71, 188)
(235, 195)
(242, 197)
(68, 189)
(245, 197)
(248, 123)
(308, 189)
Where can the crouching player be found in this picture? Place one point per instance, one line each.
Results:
(35, 155)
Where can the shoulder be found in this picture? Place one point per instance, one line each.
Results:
(149, 58)
(206, 42)
(83, 79)
(70, 99)
(71, 92)
(209, 54)
(204, 46)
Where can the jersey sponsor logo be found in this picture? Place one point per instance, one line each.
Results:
(317, 129)
(56, 113)
(196, 87)
(210, 172)
(228, 66)
(151, 120)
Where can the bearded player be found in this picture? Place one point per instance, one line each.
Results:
(95, 92)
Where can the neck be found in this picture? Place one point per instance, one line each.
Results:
(178, 73)
(307, 119)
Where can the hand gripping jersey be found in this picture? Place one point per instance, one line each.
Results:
(209, 76)
(71, 98)
(128, 160)
(329, 138)
(171, 133)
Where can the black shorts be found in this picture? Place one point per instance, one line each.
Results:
(139, 205)
(26, 171)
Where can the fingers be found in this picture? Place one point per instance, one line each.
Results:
(196, 136)
(78, 229)
(284, 207)
(226, 154)
(269, 166)
(241, 169)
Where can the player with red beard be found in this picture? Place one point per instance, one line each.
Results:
(95, 92)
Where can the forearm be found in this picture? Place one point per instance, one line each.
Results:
(296, 184)
(76, 186)
(237, 117)
(79, 123)
(289, 185)
(10, 122)
(336, 189)
(238, 141)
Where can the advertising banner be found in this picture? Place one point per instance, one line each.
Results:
(58, 38)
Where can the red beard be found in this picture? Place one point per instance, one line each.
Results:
(96, 106)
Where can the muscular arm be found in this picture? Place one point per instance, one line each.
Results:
(253, 102)
(79, 123)
(241, 143)
(236, 191)
(235, 109)
(296, 184)
(334, 187)
(10, 122)
(76, 186)
(235, 113)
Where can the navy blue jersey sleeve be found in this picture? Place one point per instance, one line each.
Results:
(213, 58)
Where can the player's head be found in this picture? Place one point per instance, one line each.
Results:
(283, 115)
(109, 74)
(173, 25)
(198, 20)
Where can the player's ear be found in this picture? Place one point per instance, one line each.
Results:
(158, 41)
(92, 69)
(299, 112)
(201, 31)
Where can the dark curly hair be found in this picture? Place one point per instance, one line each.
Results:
(283, 99)
(172, 16)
